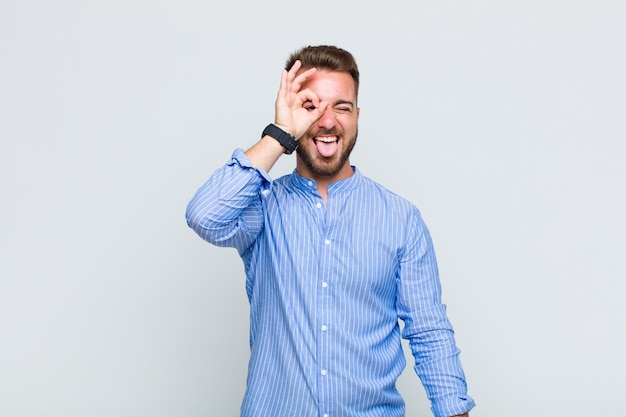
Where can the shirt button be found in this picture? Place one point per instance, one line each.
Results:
(327, 242)
(324, 284)
(325, 415)
(324, 327)
(310, 183)
(324, 372)
(318, 205)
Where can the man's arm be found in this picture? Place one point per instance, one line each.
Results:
(426, 326)
(291, 116)
(226, 210)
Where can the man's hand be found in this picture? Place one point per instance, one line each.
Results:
(297, 109)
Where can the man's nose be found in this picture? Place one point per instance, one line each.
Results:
(328, 120)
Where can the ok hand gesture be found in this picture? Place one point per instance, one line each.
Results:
(297, 108)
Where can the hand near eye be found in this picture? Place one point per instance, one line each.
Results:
(297, 109)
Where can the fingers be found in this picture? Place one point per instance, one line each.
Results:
(295, 67)
(311, 107)
(286, 81)
(317, 111)
(293, 80)
(308, 99)
(297, 108)
(301, 78)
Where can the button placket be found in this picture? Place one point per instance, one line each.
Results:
(322, 331)
(323, 321)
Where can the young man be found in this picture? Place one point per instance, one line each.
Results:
(333, 261)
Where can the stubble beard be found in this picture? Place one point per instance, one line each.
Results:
(326, 167)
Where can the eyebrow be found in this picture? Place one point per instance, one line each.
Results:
(338, 102)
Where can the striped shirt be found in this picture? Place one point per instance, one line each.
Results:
(328, 285)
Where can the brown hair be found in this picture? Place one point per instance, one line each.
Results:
(326, 57)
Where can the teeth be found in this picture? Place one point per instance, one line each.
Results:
(326, 139)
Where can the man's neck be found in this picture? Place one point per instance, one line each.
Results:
(324, 181)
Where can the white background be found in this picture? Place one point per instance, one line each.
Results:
(503, 121)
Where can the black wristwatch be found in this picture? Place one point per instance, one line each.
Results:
(289, 142)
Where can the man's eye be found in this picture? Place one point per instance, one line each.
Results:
(309, 106)
(344, 109)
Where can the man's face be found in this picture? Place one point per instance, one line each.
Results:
(325, 148)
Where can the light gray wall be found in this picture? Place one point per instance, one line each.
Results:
(503, 121)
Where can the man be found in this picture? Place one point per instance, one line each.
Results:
(333, 261)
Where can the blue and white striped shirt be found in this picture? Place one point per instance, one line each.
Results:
(327, 285)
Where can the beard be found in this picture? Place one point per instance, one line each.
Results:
(326, 167)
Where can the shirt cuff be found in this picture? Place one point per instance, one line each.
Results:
(453, 406)
(240, 157)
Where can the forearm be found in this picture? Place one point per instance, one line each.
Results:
(229, 203)
(439, 368)
(265, 153)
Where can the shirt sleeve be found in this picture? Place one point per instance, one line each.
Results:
(227, 209)
(426, 325)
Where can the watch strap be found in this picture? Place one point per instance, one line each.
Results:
(284, 138)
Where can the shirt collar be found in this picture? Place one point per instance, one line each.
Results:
(335, 187)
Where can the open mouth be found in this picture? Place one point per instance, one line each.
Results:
(326, 139)
(326, 145)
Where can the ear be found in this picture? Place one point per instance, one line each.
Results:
(358, 111)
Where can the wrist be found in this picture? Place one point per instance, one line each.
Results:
(286, 139)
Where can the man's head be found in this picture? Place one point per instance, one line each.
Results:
(324, 151)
